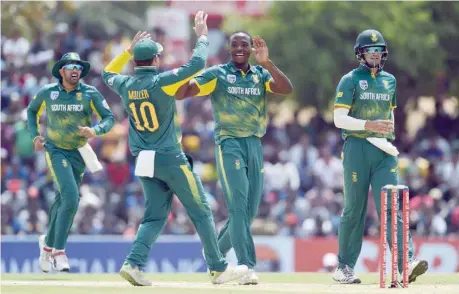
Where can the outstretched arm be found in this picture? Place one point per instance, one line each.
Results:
(111, 73)
(189, 89)
(279, 83)
(173, 81)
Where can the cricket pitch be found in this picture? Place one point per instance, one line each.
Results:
(199, 283)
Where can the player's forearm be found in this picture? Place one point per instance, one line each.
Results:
(105, 125)
(342, 120)
(282, 84)
(197, 61)
(182, 92)
(117, 64)
(201, 50)
(171, 81)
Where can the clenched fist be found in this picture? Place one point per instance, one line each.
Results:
(87, 132)
(380, 126)
(39, 143)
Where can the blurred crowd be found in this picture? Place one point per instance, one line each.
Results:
(303, 192)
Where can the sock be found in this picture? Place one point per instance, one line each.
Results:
(58, 251)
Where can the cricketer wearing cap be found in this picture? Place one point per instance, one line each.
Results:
(163, 168)
(238, 92)
(69, 105)
(364, 104)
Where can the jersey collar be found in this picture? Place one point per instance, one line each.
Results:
(145, 69)
(234, 69)
(364, 68)
(61, 88)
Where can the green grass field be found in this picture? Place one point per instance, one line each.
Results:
(199, 283)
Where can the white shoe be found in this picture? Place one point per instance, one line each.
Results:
(60, 261)
(45, 256)
(134, 275)
(345, 276)
(250, 278)
(230, 274)
(417, 268)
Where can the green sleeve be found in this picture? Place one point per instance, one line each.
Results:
(106, 118)
(393, 103)
(345, 92)
(34, 111)
(267, 77)
(171, 81)
(114, 80)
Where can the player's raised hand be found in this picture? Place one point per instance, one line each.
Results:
(139, 36)
(200, 24)
(380, 126)
(260, 50)
(86, 132)
(39, 143)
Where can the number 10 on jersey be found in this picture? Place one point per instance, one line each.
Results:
(147, 114)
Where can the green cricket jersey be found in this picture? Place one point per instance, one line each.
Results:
(148, 97)
(368, 97)
(66, 111)
(238, 99)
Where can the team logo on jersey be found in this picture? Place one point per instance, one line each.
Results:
(64, 163)
(110, 81)
(231, 78)
(363, 84)
(255, 79)
(354, 177)
(386, 84)
(79, 95)
(237, 164)
(54, 95)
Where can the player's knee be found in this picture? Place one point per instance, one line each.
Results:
(350, 217)
(238, 212)
(70, 202)
(200, 213)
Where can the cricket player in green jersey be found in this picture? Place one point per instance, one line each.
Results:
(364, 105)
(238, 93)
(69, 105)
(161, 165)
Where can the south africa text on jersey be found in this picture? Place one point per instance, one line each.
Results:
(67, 107)
(375, 96)
(244, 91)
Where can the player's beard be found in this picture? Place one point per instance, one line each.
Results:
(373, 62)
(71, 77)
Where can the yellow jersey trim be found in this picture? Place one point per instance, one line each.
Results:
(268, 86)
(343, 105)
(172, 89)
(93, 107)
(207, 88)
(39, 113)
